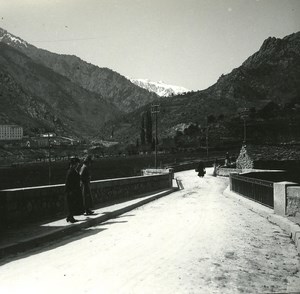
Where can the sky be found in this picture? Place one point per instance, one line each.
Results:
(188, 43)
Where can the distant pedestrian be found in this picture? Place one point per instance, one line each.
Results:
(85, 178)
(215, 166)
(233, 161)
(73, 191)
(227, 160)
(200, 169)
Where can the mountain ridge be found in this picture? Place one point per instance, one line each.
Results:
(104, 81)
(160, 88)
(48, 98)
(272, 74)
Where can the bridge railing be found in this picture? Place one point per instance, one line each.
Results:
(31, 204)
(258, 190)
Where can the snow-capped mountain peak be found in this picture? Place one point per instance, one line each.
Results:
(11, 39)
(160, 88)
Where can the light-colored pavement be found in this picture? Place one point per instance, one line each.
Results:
(28, 236)
(195, 240)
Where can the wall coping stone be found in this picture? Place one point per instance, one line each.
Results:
(95, 181)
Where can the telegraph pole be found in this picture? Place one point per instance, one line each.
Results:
(206, 137)
(49, 159)
(155, 111)
(244, 115)
(245, 135)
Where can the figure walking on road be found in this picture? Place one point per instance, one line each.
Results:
(85, 177)
(200, 169)
(73, 191)
(215, 166)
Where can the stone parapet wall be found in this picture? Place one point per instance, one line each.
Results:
(37, 203)
(157, 171)
(183, 166)
(115, 189)
(189, 165)
(225, 172)
(293, 200)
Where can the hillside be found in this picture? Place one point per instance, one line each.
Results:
(40, 100)
(272, 74)
(66, 94)
(111, 85)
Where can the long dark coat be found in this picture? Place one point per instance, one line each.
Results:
(85, 178)
(201, 169)
(73, 192)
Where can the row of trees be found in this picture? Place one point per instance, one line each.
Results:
(147, 140)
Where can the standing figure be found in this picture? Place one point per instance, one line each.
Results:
(85, 178)
(215, 166)
(227, 160)
(201, 169)
(73, 191)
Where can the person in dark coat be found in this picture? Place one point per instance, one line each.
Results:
(227, 160)
(85, 178)
(215, 166)
(200, 169)
(73, 191)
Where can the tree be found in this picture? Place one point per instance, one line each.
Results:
(211, 119)
(252, 112)
(143, 141)
(153, 144)
(221, 117)
(148, 127)
(270, 110)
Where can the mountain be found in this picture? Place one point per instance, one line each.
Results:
(68, 94)
(160, 88)
(271, 75)
(39, 99)
(103, 81)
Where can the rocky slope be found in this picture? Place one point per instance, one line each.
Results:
(272, 74)
(109, 84)
(39, 99)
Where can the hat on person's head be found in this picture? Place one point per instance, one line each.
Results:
(74, 160)
(88, 159)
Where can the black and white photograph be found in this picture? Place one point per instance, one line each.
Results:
(150, 146)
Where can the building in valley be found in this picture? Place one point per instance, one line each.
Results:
(11, 132)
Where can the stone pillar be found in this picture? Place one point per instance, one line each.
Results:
(280, 199)
(293, 201)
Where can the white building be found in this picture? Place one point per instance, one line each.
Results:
(11, 132)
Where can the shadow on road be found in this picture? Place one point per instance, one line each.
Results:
(40, 248)
(112, 223)
(179, 184)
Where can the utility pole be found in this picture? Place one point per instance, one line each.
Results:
(245, 135)
(155, 111)
(206, 137)
(49, 159)
(244, 115)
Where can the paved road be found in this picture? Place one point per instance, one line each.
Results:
(192, 241)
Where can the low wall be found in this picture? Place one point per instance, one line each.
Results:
(188, 165)
(225, 172)
(23, 205)
(286, 195)
(157, 171)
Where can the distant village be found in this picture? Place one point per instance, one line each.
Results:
(13, 135)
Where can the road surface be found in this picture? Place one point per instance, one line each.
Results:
(195, 240)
